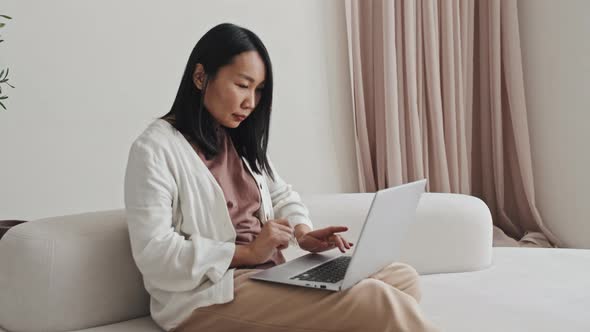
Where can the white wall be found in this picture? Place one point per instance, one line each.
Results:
(556, 60)
(90, 75)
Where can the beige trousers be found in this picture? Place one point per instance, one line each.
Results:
(387, 301)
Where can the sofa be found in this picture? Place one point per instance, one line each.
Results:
(76, 272)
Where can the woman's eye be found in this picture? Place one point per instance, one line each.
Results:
(243, 86)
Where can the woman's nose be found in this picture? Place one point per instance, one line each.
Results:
(250, 101)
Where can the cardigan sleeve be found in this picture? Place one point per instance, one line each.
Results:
(286, 202)
(163, 256)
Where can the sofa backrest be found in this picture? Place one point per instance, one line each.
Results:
(69, 273)
(74, 272)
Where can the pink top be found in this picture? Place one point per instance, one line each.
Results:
(241, 193)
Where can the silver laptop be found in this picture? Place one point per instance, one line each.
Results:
(391, 213)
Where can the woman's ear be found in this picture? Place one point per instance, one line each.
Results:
(199, 76)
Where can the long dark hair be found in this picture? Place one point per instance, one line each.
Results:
(214, 50)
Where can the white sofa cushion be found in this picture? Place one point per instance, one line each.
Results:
(144, 324)
(525, 289)
(68, 273)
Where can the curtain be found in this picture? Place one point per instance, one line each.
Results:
(438, 93)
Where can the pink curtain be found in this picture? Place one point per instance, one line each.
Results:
(438, 93)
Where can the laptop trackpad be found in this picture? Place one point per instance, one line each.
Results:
(296, 266)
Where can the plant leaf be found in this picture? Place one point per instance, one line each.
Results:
(2, 25)
(4, 107)
(6, 16)
(3, 97)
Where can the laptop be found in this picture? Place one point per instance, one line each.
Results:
(379, 244)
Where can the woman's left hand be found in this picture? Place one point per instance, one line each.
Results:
(324, 239)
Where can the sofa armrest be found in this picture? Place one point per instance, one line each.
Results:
(69, 273)
(452, 232)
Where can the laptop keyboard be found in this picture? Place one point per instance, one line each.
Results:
(331, 272)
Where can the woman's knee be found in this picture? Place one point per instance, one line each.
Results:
(371, 298)
(380, 307)
(401, 276)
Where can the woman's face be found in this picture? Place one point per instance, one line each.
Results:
(232, 95)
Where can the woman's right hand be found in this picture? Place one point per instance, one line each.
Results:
(275, 235)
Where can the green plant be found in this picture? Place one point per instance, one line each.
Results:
(4, 72)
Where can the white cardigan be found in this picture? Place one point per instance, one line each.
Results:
(182, 237)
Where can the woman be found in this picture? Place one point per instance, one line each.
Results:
(206, 209)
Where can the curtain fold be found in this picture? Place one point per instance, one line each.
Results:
(438, 93)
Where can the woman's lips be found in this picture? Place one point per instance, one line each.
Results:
(239, 117)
